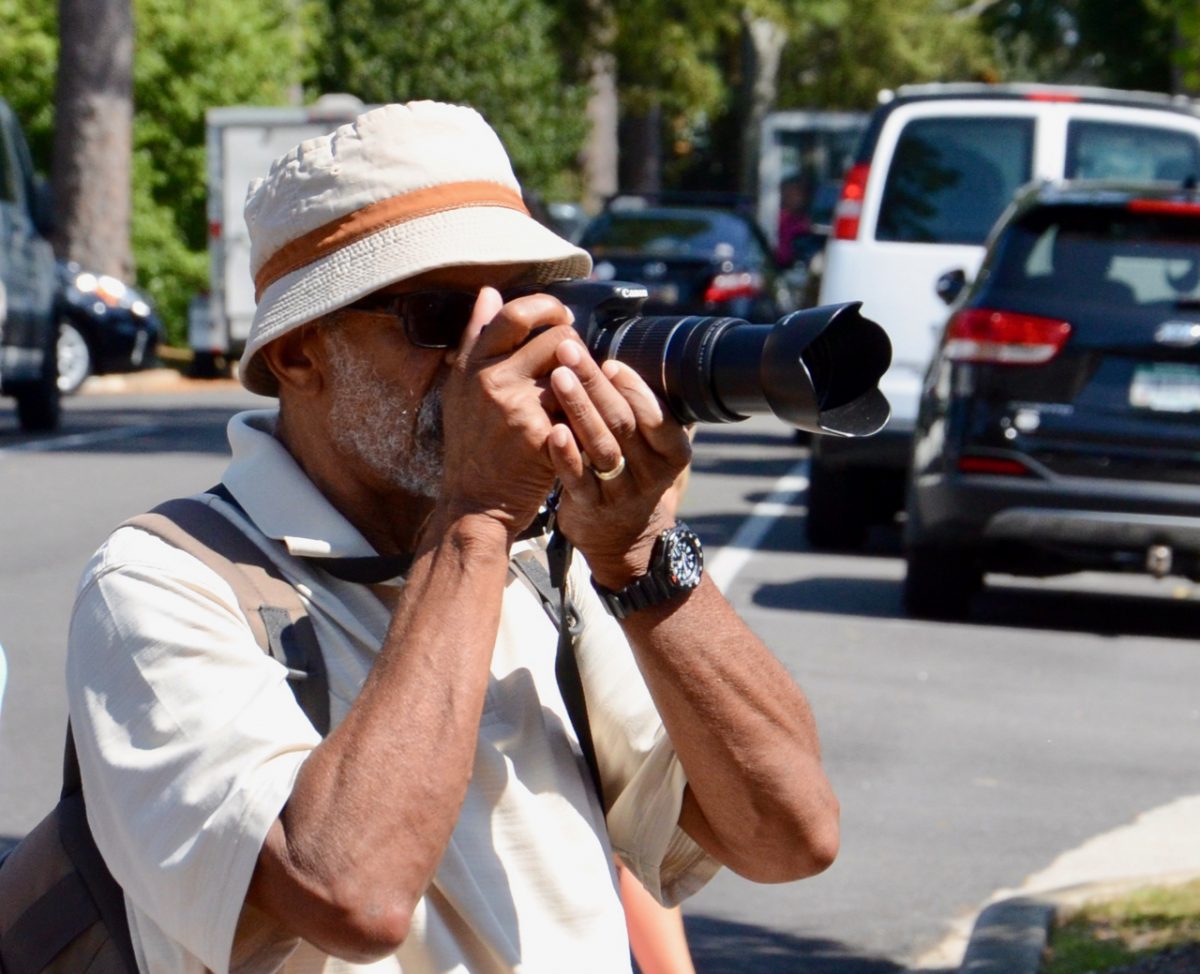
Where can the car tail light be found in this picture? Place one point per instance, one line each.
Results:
(740, 284)
(1171, 207)
(849, 207)
(1004, 337)
(999, 466)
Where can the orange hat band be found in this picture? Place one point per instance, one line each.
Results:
(342, 232)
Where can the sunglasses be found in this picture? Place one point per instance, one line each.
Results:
(430, 319)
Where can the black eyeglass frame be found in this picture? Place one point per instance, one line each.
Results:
(434, 318)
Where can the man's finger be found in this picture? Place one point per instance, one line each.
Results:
(508, 330)
(660, 430)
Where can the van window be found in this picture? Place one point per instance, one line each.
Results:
(950, 178)
(1104, 150)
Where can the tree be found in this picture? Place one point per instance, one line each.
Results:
(496, 55)
(93, 134)
(191, 57)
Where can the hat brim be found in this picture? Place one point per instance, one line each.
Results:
(477, 235)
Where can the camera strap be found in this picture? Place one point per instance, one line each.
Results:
(566, 665)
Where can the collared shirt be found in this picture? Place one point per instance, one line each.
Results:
(190, 741)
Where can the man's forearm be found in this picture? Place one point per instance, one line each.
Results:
(375, 803)
(758, 800)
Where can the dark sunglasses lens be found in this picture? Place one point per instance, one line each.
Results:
(437, 319)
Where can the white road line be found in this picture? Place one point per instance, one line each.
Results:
(80, 439)
(732, 558)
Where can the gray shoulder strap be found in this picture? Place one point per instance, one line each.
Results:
(270, 603)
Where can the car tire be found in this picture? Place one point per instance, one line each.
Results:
(39, 403)
(940, 582)
(74, 358)
(837, 518)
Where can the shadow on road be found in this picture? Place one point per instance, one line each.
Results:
(1010, 606)
(131, 430)
(724, 947)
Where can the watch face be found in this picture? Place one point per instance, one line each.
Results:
(685, 560)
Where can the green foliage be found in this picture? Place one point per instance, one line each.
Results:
(190, 57)
(496, 55)
(840, 53)
(1116, 932)
(28, 61)
(1139, 44)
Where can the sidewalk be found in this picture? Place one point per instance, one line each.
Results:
(163, 379)
(1161, 846)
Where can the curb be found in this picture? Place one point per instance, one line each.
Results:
(1010, 936)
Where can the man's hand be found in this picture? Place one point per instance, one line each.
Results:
(494, 419)
(612, 417)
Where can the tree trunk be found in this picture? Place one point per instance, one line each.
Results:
(93, 134)
(600, 151)
(641, 151)
(762, 45)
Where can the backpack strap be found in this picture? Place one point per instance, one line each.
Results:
(270, 603)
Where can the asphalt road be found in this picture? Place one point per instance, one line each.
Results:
(966, 756)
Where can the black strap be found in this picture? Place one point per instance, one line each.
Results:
(551, 587)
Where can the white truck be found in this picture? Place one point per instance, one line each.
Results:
(241, 143)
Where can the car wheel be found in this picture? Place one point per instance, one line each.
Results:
(39, 403)
(837, 518)
(940, 582)
(74, 358)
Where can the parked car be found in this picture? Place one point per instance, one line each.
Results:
(28, 284)
(693, 259)
(1059, 422)
(936, 166)
(104, 326)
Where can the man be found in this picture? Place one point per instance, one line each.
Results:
(447, 821)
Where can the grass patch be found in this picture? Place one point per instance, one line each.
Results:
(1123, 930)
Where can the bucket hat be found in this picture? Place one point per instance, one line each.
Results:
(401, 190)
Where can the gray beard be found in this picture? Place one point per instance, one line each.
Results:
(370, 428)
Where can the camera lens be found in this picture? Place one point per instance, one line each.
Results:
(816, 369)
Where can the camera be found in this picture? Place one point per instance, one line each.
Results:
(816, 369)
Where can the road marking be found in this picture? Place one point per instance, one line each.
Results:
(732, 557)
(80, 439)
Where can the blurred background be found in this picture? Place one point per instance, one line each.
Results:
(592, 97)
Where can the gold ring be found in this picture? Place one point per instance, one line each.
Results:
(614, 472)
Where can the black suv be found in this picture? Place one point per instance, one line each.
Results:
(28, 284)
(1059, 424)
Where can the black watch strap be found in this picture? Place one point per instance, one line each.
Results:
(662, 582)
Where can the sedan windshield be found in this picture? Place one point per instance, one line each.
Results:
(677, 233)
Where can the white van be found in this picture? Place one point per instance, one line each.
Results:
(935, 168)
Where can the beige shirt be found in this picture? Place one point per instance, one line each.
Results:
(190, 740)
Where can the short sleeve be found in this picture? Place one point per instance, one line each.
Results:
(189, 738)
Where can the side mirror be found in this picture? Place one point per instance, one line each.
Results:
(42, 206)
(950, 285)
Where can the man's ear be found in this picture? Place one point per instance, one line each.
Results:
(296, 360)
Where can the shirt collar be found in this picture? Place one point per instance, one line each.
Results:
(284, 504)
(278, 496)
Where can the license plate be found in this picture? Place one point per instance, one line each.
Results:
(1172, 388)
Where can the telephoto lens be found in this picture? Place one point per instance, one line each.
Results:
(816, 369)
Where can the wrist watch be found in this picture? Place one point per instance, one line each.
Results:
(676, 567)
